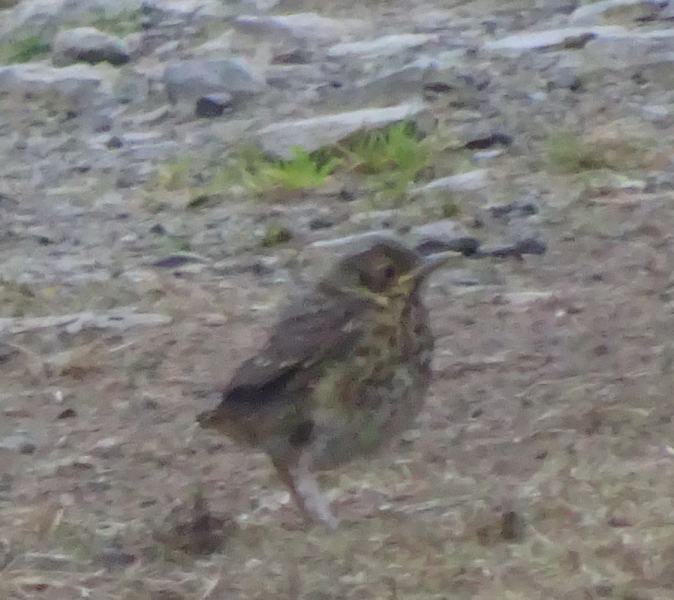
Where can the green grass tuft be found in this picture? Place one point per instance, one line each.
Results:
(304, 170)
(398, 148)
(23, 50)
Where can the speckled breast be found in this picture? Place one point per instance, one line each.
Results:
(365, 401)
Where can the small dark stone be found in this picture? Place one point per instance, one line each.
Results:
(298, 56)
(490, 26)
(529, 209)
(578, 42)
(213, 105)
(114, 557)
(438, 88)
(114, 143)
(320, 223)
(158, 229)
(276, 234)
(495, 139)
(577, 85)
(348, 194)
(94, 57)
(523, 209)
(468, 246)
(177, 260)
(512, 526)
(516, 250)
(532, 246)
(68, 413)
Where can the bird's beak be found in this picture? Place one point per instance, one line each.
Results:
(430, 264)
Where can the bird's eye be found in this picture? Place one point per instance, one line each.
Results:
(389, 273)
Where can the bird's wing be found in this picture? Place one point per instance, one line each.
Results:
(283, 368)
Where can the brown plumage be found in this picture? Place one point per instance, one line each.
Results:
(344, 371)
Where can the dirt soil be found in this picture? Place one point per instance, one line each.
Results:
(542, 467)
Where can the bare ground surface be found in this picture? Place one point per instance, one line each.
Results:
(541, 468)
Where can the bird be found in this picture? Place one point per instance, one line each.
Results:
(344, 372)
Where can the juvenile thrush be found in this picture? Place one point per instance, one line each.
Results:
(343, 372)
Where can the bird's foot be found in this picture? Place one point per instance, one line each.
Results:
(312, 501)
(308, 496)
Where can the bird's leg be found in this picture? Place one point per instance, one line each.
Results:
(306, 493)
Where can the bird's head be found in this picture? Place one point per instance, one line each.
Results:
(384, 269)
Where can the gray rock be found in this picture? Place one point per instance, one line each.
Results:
(389, 87)
(381, 47)
(21, 442)
(610, 11)
(109, 447)
(300, 27)
(154, 117)
(187, 11)
(554, 37)
(87, 44)
(257, 7)
(189, 80)
(442, 236)
(349, 240)
(77, 85)
(278, 140)
(464, 182)
(291, 38)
